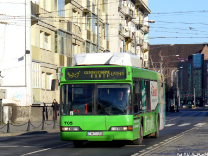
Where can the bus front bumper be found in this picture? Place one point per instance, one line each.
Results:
(107, 136)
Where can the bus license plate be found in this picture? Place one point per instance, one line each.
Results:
(95, 133)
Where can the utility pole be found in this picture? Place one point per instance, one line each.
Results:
(177, 92)
(97, 28)
(135, 44)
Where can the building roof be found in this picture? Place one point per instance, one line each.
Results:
(167, 50)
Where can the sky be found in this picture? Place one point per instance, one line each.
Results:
(178, 21)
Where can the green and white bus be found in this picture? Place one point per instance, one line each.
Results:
(110, 102)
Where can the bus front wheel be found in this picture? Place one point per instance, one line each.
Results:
(139, 140)
(77, 143)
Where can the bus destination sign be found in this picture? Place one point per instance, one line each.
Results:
(95, 73)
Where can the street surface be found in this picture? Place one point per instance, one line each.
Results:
(185, 132)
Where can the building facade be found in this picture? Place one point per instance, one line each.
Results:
(128, 27)
(38, 37)
(192, 80)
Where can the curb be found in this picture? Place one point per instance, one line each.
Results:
(27, 133)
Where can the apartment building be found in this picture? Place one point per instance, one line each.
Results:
(38, 37)
(129, 28)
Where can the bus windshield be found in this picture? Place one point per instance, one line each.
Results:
(96, 99)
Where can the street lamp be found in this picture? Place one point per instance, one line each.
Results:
(178, 92)
(98, 28)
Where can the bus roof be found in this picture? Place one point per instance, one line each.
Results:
(123, 59)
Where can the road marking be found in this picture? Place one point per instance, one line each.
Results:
(168, 125)
(200, 124)
(164, 142)
(46, 149)
(174, 118)
(185, 124)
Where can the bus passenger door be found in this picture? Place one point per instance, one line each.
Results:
(136, 107)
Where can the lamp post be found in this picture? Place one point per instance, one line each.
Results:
(194, 99)
(97, 28)
(178, 93)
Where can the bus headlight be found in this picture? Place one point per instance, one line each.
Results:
(70, 129)
(121, 128)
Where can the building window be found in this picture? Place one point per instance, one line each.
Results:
(75, 17)
(105, 6)
(88, 21)
(47, 41)
(48, 81)
(106, 31)
(61, 8)
(36, 75)
(41, 39)
(64, 43)
(46, 5)
(88, 48)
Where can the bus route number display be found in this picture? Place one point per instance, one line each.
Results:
(95, 73)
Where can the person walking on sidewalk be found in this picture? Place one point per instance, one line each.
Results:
(55, 109)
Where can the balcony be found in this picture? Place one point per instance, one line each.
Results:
(128, 12)
(146, 46)
(140, 41)
(145, 28)
(139, 19)
(120, 31)
(35, 9)
(128, 34)
(76, 30)
(143, 5)
(34, 13)
(86, 5)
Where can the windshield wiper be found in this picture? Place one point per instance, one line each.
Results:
(103, 108)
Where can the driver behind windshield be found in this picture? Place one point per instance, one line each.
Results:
(120, 101)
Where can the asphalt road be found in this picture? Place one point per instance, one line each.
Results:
(50, 144)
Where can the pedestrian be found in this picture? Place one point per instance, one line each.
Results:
(55, 109)
(46, 111)
(43, 111)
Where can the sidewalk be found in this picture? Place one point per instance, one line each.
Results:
(188, 143)
(35, 127)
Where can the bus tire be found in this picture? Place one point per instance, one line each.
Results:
(157, 132)
(139, 140)
(77, 143)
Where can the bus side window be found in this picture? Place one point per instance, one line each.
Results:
(148, 103)
(136, 90)
(140, 95)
